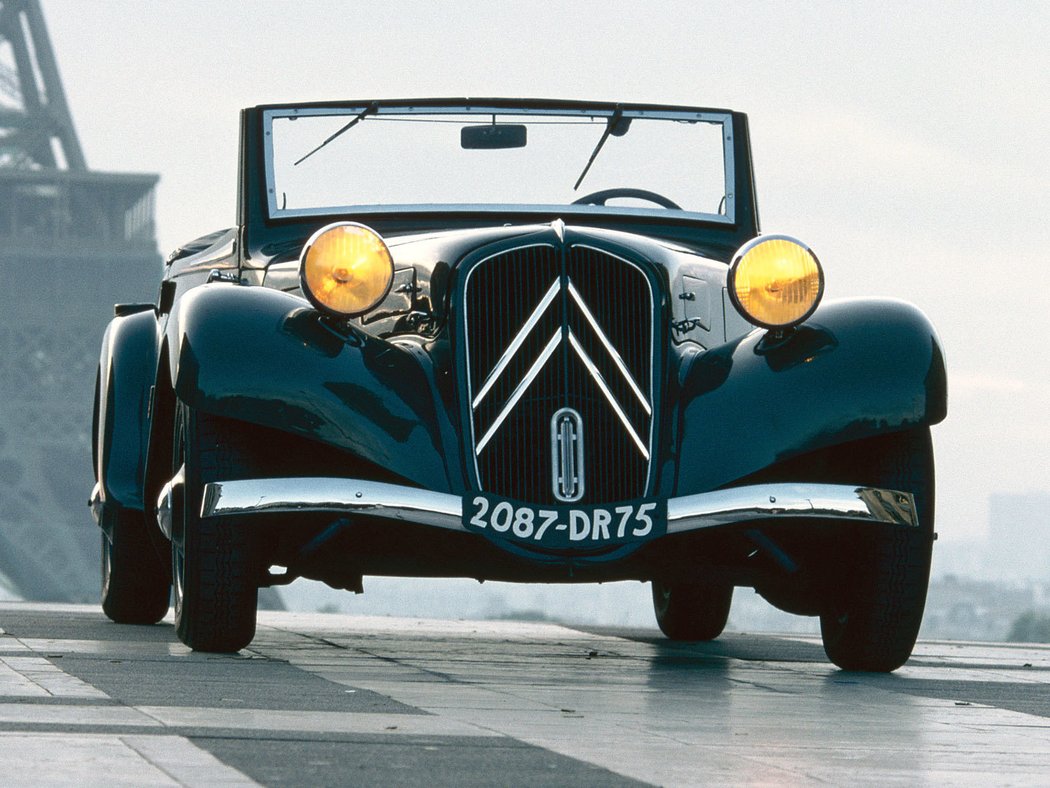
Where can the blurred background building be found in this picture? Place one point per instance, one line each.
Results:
(72, 243)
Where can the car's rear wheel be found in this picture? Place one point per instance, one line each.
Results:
(214, 566)
(135, 583)
(692, 611)
(875, 606)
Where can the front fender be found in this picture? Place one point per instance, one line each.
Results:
(127, 369)
(856, 369)
(263, 356)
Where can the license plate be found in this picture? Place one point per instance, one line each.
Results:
(565, 526)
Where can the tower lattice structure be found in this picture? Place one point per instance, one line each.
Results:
(73, 242)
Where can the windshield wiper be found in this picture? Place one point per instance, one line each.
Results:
(371, 109)
(617, 126)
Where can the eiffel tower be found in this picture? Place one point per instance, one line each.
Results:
(73, 242)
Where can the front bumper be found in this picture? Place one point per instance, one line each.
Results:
(704, 511)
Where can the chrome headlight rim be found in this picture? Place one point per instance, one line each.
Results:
(304, 285)
(738, 257)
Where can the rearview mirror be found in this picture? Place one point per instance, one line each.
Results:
(492, 136)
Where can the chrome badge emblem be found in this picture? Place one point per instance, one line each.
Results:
(567, 455)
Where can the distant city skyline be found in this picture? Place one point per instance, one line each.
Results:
(906, 143)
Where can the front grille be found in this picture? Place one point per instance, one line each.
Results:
(549, 328)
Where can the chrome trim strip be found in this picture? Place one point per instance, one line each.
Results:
(517, 342)
(729, 165)
(320, 494)
(604, 387)
(519, 391)
(466, 335)
(687, 513)
(166, 501)
(558, 225)
(95, 503)
(616, 357)
(786, 501)
(654, 334)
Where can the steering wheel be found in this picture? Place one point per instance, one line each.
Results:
(600, 198)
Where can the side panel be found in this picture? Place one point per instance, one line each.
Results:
(127, 369)
(856, 369)
(265, 357)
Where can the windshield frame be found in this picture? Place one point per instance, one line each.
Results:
(488, 108)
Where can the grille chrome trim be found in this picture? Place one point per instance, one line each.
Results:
(598, 378)
(515, 282)
(520, 389)
(616, 357)
(654, 333)
(518, 341)
(548, 351)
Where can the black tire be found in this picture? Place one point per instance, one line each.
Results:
(135, 584)
(692, 611)
(873, 624)
(213, 561)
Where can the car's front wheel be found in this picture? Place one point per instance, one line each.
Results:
(875, 606)
(213, 560)
(692, 611)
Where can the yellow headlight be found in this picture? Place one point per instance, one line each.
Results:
(775, 281)
(346, 268)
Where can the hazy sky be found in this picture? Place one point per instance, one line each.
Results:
(907, 143)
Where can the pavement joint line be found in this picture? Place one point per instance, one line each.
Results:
(51, 700)
(160, 718)
(280, 719)
(185, 762)
(264, 734)
(48, 677)
(77, 716)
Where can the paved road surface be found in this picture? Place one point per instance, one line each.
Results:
(344, 700)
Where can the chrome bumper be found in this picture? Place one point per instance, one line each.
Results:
(442, 510)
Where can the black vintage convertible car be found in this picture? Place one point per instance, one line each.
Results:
(536, 341)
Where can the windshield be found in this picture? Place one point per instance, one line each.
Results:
(386, 159)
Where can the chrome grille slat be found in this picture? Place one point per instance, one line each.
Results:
(548, 328)
(620, 366)
(515, 346)
(603, 387)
